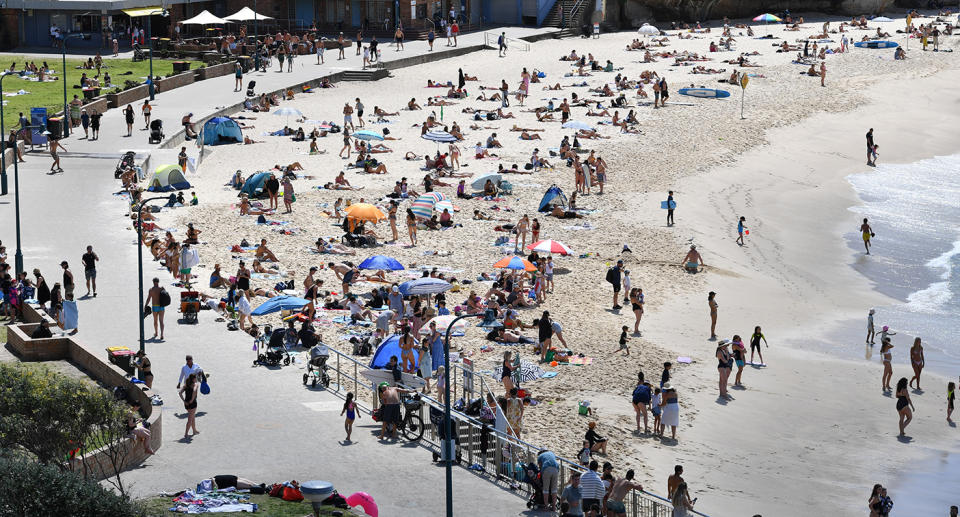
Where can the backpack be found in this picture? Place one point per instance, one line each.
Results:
(164, 297)
(276, 490)
(611, 275)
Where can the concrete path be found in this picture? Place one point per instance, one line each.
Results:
(258, 423)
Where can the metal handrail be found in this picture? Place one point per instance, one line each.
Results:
(507, 449)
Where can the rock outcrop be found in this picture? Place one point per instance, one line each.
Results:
(636, 12)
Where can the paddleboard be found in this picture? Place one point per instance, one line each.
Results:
(876, 44)
(665, 206)
(705, 93)
(377, 376)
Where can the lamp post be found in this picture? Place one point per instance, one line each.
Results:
(18, 256)
(142, 204)
(63, 52)
(3, 135)
(256, 49)
(489, 321)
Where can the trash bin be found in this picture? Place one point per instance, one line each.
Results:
(122, 357)
(180, 66)
(55, 127)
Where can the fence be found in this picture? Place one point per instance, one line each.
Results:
(491, 453)
(490, 40)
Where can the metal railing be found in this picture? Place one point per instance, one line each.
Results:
(490, 40)
(492, 454)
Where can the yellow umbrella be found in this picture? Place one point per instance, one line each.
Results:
(365, 212)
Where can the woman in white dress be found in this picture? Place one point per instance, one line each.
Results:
(426, 360)
(681, 501)
(671, 410)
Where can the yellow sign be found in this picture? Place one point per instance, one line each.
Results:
(744, 80)
(143, 11)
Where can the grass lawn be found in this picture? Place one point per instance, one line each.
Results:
(3, 334)
(50, 94)
(266, 505)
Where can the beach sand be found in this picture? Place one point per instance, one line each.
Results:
(811, 433)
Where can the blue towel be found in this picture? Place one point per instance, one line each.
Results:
(70, 315)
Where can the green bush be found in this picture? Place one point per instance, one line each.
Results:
(28, 488)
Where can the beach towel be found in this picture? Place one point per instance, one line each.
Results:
(70, 315)
(550, 375)
(581, 361)
(266, 276)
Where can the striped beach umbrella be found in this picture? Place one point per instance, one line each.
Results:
(423, 206)
(550, 246)
(766, 17)
(516, 263)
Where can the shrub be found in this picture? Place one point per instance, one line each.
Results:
(28, 488)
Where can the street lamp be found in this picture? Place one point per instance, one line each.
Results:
(3, 135)
(489, 321)
(256, 49)
(142, 204)
(18, 256)
(66, 112)
(164, 13)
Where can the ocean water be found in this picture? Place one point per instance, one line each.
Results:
(915, 211)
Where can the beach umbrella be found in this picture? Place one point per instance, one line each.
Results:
(482, 180)
(287, 112)
(550, 246)
(280, 303)
(515, 262)
(766, 17)
(246, 14)
(439, 136)
(526, 372)
(425, 285)
(443, 203)
(881, 19)
(204, 18)
(423, 206)
(365, 212)
(443, 322)
(648, 30)
(576, 124)
(367, 135)
(381, 262)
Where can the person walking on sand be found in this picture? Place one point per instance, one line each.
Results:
(904, 405)
(502, 45)
(712, 301)
(739, 357)
(917, 361)
(670, 207)
(614, 276)
(867, 232)
(350, 408)
(641, 399)
(670, 407)
(951, 387)
(55, 145)
(823, 72)
(871, 334)
(741, 228)
(724, 367)
(523, 225)
(153, 298)
(887, 357)
(360, 112)
(288, 195)
(870, 147)
(188, 393)
(412, 227)
(348, 117)
(346, 144)
(755, 344)
(636, 302)
(623, 340)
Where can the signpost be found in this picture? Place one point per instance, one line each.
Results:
(744, 79)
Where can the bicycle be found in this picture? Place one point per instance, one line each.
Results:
(411, 425)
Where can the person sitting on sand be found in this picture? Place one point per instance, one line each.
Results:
(258, 268)
(527, 136)
(412, 105)
(249, 141)
(264, 253)
(371, 166)
(560, 213)
(333, 247)
(480, 152)
(692, 261)
(489, 189)
(245, 208)
(590, 134)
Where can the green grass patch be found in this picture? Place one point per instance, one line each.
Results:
(266, 505)
(50, 94)
(3, 334)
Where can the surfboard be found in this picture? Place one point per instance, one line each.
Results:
(377, 376)
(876, 44)
(704, 93)
(665, 206)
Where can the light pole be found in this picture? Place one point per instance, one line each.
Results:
(18, 256)
(164, 13)
(256, 49)
(142, 204)
(66, 112)
(489, 321)
(3, 135)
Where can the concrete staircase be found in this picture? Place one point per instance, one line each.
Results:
(364, 75)
(572, 11)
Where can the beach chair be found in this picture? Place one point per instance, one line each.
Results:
(506, 187)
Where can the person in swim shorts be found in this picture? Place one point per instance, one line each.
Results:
(153, 298)
(867, 232)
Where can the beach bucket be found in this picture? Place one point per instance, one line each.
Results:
(583, 409)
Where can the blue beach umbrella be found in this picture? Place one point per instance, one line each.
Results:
(280, 303)
(363, 134)
(381, 262)
(425, 285)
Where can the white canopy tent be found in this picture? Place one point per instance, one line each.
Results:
(246, 14)
(204, 18)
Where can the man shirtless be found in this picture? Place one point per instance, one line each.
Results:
(345, 274)
(153, 299)
(264, 253)
(692, 261)
(390, 412)
(618, 490)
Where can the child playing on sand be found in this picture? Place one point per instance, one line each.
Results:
(740, 229)
(350, 408)
(655, 404)
(665, 376)
(623, 341)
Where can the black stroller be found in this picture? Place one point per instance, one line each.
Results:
(156, 131)
(250, 89)
(317, 369)
(437, 419)
(138, 54)
(126, 162)
(532, 478)
(271, 348)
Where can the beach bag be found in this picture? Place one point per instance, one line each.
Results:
(276, 490)
(204, 387)
(164, 297)
(611, 276)
(261, 220)
(292, 494)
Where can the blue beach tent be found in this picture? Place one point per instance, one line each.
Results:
(390, 347)
(253, 187)
(221, 130)
(553, 197)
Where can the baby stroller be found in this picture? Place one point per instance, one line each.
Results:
(317, 367)
(156, 131)
(126, 162)
(437, 419)
(250, 89)
(138, 54)
(532, 478)
(271, 350)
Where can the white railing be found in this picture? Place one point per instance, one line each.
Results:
(490, 40)
(501, 458)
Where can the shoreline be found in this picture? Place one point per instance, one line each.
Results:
(831, 319)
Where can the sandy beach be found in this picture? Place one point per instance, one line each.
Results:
(810, 426)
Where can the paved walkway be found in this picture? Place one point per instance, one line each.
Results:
(257, 422)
